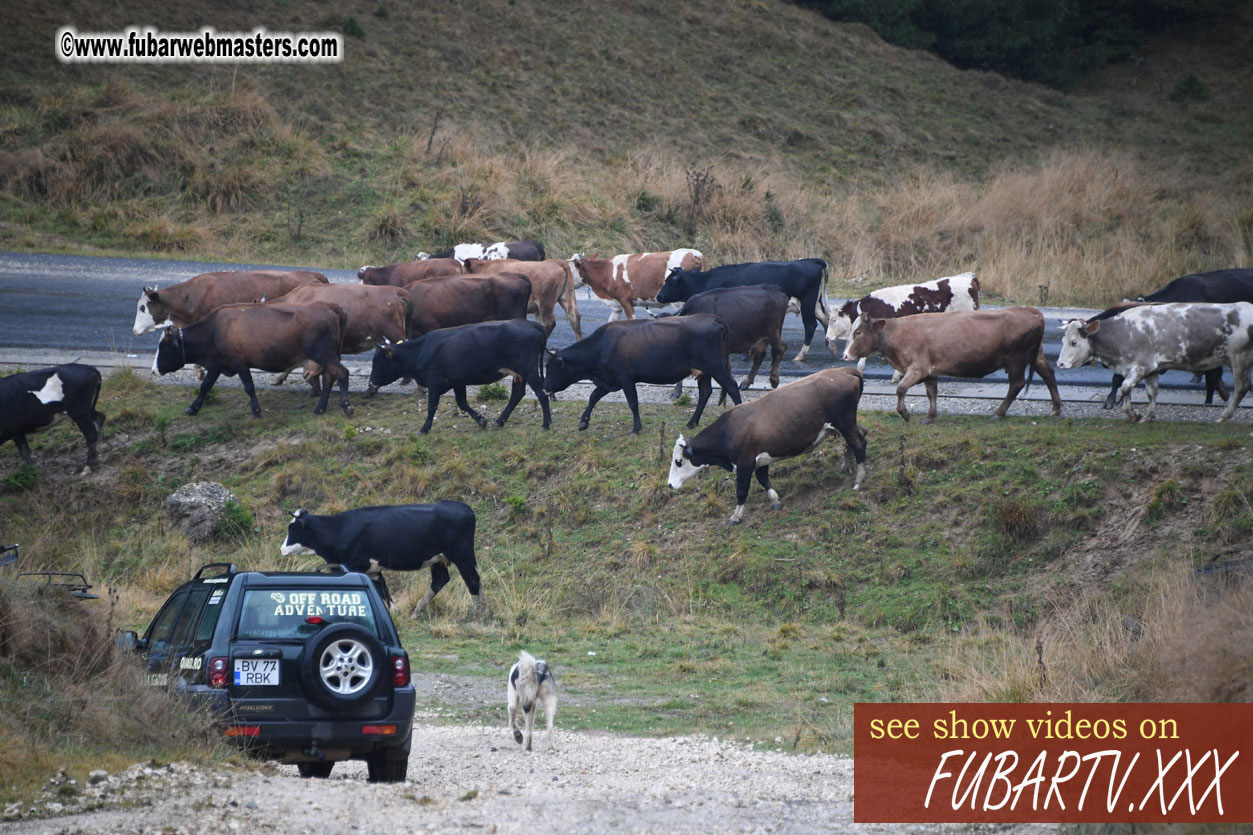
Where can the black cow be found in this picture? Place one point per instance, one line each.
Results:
(804, 280)
(1216, 287)
(405, 537)
(618, 355)
(469, 355)
(36, 400)
(754, 316)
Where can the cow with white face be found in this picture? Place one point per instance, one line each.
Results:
(1141, 342)
(787, 422)
(191, 300)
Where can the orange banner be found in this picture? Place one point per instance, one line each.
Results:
(1053, 763)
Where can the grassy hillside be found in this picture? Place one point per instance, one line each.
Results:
(971, 541)
(585, 128)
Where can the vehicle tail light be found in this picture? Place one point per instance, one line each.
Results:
(378, 730)
(243, 730)
(400, 671)
(217, 672)
(314, 619)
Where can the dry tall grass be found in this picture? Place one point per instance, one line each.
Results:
(1181, 638)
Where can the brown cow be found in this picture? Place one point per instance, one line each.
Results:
(551, 283)
(236, 338)
(466, 299)
(407, 272)
(182, 304)
(375, 315)
(962, 344)
(626, 280)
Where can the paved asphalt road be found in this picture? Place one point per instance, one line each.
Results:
(69, 303)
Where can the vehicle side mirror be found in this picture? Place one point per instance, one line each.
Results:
(130, 641)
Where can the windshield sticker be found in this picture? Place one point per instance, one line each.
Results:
(335, 604)
(216, 598)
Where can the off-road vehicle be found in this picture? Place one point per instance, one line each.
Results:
(305, 667)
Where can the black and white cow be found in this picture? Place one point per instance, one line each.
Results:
(1216, 287)
(954, 292)
(403, 537)
(789, 421)
(804, 280)
(1141, 342)
(469, 355)
(518, 250)
(37, 400)
(619, 355)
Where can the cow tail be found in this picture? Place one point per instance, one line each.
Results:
(95, 398)
(1030, 377)
(974, 289)
(542, 255)
(822, 295)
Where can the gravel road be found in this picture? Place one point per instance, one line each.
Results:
(475, 779)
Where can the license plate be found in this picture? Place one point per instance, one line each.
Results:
(256, 672)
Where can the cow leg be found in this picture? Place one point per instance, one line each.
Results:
(1124, 392)
(245, 378)
(91, 433)
(615, 310)
(467, 567)
(1045, 371)
(854, 447)
(704, 387)
(759, 355)
(432, 403)
(210, 378)
(459, 392)
(572, 314)
(776, 357)
(1111, 399)
(677, 391)
(537, 386)
(763, 478)
(932, 392)
(912, 378)
(1150, 383)
(23, 449)
(1214, 383)
(342, 374)
(628, 309)
(515, 397)
(811, 323)
(743, 480)
(1017, 379)
(633, 402)
(723, 378)
(439, 579)
(1240, 372)
(597, 394)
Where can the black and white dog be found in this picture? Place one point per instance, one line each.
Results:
(531, 682)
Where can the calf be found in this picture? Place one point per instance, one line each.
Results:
(784, 423)
(406, 537)
(754, 317)
(190, 301)
(804, 280)
(516, 250)
(466, 299)
(470, 355)
(626, 280)
(1141, 342)
(968, 344)
(956, 292)
(551, 284)
(375, 315)
(236, 338)
(619, 355)
(37, 400)
(407, 272)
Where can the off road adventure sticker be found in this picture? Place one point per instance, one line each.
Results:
(324, 604)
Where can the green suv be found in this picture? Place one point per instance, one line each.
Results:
(302, 667)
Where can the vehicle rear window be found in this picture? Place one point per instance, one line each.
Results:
(270, 614)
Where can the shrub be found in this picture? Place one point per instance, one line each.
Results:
(237, 521)
(1190, 89)
(493, 391)
(20, 480)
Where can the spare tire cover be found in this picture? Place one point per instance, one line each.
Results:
(343, 667)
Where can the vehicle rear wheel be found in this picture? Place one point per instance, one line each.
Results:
(387, 767)
(343, 667)
(320, 770)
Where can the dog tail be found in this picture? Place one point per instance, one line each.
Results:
(527, 672)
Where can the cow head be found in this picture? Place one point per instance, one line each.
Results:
(386, 368)
(150, 312)
(678, 287)
(298, 535)
(841, 325)
(866, 339)
(422, 256)
(1076, 342)
(365, 274)
(171, 352)
(681, 466)
(559, 374)
(496, 252)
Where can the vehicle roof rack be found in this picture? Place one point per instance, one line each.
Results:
(75, 584)
(229, 566)
(329, 567)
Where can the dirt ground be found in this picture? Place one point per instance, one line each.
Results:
(476, 779)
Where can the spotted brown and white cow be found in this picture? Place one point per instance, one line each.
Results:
(517, 250)
(1141, 342)
(954, 292)
(787, 422)
(625, 281)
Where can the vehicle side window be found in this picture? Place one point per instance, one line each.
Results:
(163, 626)
(209, 618)
(188, 618)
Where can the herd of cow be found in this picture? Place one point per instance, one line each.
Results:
(459, 318)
